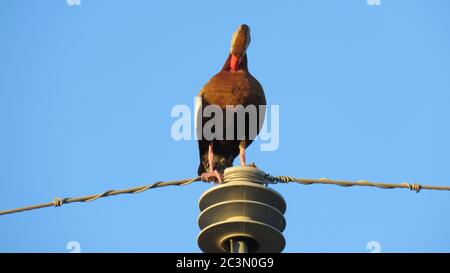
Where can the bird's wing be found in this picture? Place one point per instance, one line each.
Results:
(198, 114)
(202, 143)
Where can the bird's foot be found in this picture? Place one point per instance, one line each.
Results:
(211, 176)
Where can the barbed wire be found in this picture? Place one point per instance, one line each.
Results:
(57, 202)
(268, 179)
(344, 183)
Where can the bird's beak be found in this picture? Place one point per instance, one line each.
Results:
(239, 44)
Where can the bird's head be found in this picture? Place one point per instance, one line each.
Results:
(239, 45)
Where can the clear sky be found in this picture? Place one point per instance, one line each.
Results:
(86, 93)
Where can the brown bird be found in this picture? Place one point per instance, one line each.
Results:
(233, 86)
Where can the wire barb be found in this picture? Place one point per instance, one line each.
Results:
(58, 202)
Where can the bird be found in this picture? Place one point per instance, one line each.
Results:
(232, 86)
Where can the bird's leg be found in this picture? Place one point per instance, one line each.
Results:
(206, 176)
(242, 152)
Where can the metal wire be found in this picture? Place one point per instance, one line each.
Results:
(268, 179)
(60, 201)
(344, 183)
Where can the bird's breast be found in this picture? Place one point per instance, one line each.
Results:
(233, 88)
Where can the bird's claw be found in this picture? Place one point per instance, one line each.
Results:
(211, 176)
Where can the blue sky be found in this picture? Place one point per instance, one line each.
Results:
(86, 93)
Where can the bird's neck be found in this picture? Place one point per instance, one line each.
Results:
(234, 63)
